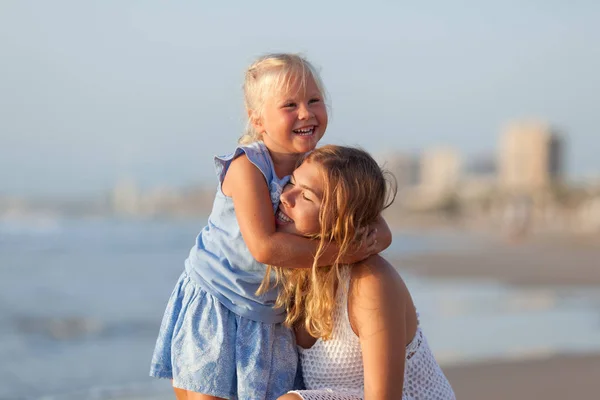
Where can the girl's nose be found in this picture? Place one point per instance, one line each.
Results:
(286, 197)
(304, 112)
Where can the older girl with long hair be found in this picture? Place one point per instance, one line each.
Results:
(357, 328)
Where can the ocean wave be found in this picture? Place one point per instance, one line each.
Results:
(21, 225)
(147, 390)
(79, 328)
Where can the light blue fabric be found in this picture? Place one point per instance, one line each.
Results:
(217, 337)
(220, 261)
(206, 348)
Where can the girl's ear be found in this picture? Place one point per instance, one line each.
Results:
(255, 121)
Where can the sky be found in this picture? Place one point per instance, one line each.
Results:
(92, 92)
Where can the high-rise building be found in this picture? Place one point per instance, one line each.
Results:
(440, 170)
(530, 156)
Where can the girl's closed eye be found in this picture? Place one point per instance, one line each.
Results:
(289, 105)
(306, 198)
(314, 100)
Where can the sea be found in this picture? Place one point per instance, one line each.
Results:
(81, 302)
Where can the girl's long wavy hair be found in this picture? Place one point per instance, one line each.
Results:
(355, 192)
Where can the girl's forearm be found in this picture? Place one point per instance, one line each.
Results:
(292, 251)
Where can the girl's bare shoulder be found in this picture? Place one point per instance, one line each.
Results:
(376, 279)
(375, 269)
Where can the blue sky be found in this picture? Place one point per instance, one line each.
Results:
(91, 91)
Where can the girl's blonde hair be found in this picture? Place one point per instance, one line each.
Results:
(355, 192)
(274, 73)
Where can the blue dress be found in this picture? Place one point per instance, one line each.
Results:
(217, 336)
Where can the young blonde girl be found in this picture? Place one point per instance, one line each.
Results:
(357, 328)
(218, 338)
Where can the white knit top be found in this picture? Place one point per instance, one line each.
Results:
(333, 369)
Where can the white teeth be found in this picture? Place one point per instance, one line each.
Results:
(305, 131)
(283, 217)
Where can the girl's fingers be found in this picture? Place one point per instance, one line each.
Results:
(371, 237)
(362, 234)
(373, 248)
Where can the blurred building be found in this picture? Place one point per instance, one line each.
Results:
(530, 157)
(440, 170)
(404, 166)
(126, 198)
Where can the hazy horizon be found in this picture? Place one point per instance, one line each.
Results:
(94, 91)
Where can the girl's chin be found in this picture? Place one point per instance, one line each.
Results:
(285, 227)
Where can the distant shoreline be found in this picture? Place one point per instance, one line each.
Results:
(539, 261)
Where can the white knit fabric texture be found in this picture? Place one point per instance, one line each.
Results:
(333, 369)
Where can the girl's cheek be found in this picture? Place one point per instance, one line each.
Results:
(315, 221)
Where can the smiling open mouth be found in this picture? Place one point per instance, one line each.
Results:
(304, 131)
(281, 217)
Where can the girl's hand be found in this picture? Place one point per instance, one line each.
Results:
(366, 246)
(374, 239)
(383, 235)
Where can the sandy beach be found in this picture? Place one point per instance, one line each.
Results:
(561, 261)
(557, 378)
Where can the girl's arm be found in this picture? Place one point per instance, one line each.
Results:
(377, 304)
(245, 184)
